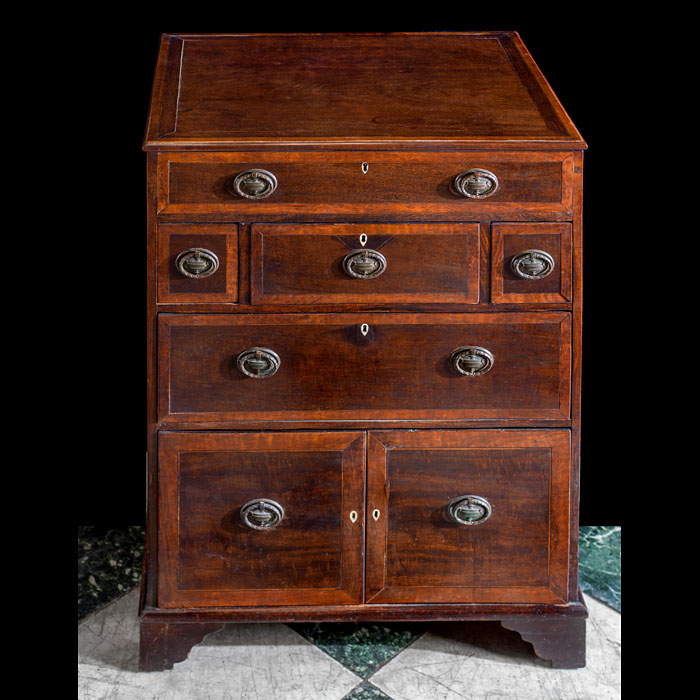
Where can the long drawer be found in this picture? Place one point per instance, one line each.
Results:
(375, 366)
(372, 186)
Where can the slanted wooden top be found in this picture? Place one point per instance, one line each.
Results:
(408, 90)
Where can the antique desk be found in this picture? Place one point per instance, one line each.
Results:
(364, 309)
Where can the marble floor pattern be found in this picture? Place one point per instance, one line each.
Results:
(392, 661)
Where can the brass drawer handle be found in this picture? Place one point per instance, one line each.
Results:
(197, 263)
(476, 183)
(364, 264)
(469, 510)
(532, 264)
(254, 184)
(472, 360)
(258, 363)
(262, 514)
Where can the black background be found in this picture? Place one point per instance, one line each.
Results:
(582, 59)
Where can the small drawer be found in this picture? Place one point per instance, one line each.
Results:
(260, 518)
(364, 366)
(367, 185)
(365, 263)
(197, 263)
(531, 263)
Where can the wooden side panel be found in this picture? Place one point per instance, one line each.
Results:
(416, 554)
(209, 557)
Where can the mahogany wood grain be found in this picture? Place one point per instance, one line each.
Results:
(508, 240)
(208, 556)
(397, 185)
(303, 264)
(415, 553)
(329, 371)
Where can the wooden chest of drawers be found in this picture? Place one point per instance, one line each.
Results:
(364, 301)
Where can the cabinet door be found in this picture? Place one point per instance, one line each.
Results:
(473, 516)
(260, 519)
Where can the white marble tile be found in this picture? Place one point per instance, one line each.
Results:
(484, 661)
(240, 662)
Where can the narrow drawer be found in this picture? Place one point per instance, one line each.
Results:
(371, 185)
(531, 263)
(364, 367)
(469, 516)
(260, 519)
(364, 263)
(197, 263)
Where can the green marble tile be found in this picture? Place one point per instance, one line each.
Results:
(109, 565)
(600, 564)
(366, 691)
(362, 647)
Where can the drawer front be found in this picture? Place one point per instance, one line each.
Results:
(531, 263)
(364, 367)
(260, 519)
(364, 263)
(197, 263)
(471, 516)
(372, 185)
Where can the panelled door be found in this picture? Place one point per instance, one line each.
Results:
(260, 518)
(469, 516)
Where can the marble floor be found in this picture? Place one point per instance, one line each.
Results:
(382, 661)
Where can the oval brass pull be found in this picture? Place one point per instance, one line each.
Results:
(469, 510)
(197, 263)
(258, 363)
(364, 264)
(476, 183)
(472, 360)
(254, 184)
(262, 514)
(532, 264)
